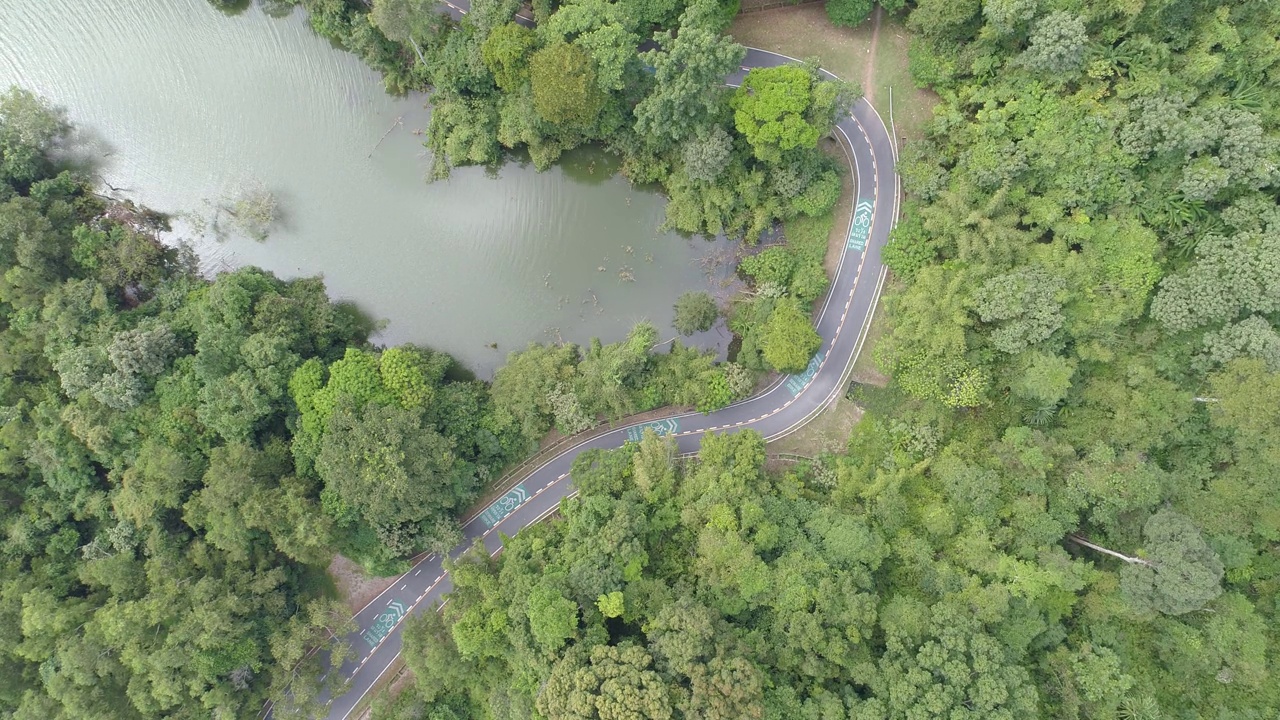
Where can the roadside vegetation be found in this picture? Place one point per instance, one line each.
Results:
(181, 457)
(872, 53)
(731, 161)
(1062, 505)
(1065, 503)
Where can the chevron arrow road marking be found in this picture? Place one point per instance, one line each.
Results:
(668, 426)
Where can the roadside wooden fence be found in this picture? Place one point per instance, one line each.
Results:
(758, 5)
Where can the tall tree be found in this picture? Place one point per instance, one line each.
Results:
(1183, 573)
(771, 110)
(564, 86)
(688, 71)
(30, 129)
(695, 312)
(789, 337)
(384, 464)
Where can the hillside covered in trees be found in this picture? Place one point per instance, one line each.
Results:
(181, 457)
(1064, 505)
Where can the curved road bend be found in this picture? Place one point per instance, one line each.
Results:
(782, 408)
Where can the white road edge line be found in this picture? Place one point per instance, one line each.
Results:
(822, 406)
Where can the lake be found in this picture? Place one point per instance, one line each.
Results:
(182, 106)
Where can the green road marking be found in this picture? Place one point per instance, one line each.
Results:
(861, 227)
(385, 623)
(504, 506)
(796, 383)
(662, 427)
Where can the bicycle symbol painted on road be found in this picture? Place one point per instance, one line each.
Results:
(661, 427)
(861, 228)
(796, 383)
(384, 624)
(504, 506)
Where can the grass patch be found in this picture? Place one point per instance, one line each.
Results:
(807, 236)
(387, 697)
(353, 585)
(912, 106)
(314, 580)
(827, 433)
(837, 221)
(804, 31)
(864, 368)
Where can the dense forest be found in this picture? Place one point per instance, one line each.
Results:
(1065, 504)
(181, 457)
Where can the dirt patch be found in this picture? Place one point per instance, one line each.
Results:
(355, 588)
(869, 72)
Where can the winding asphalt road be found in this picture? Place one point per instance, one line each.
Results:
(779, 410)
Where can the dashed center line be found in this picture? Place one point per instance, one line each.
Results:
(866, 140)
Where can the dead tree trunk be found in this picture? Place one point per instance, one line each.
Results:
(394, 125)
(417, 50)
(1131, 560)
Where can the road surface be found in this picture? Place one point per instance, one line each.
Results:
(779, 410)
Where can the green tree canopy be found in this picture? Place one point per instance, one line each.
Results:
(506, 53)
(608, 682)
(30, 129)
(689, 72)
(695, 312)
(1183, 573)
(564, 86)
(789, 338)
(772, 111)
(385, 464)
